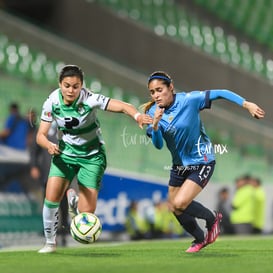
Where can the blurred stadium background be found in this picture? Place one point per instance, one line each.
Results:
(202, 44)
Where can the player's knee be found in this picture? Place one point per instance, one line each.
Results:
(86, 207)
(179, 204)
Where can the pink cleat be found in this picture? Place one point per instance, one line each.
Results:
(214, 232)
(197, 246)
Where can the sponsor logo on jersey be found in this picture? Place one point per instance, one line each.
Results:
(48, 114)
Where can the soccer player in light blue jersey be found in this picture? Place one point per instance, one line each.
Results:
(176, 121)
(80, 150)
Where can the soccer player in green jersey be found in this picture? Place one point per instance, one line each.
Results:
(80, 151)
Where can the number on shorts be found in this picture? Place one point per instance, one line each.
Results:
(205, 172)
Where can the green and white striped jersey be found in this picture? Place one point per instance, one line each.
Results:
(79, 130)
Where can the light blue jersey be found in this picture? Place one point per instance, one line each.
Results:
(182, 128)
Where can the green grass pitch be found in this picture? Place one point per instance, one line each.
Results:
(226, 255)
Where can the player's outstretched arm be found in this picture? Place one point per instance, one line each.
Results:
(130, 110)
(254, 109)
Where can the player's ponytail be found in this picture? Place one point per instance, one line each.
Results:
(146, 106)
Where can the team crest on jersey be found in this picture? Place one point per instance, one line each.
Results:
(170, 118)
(57, 110)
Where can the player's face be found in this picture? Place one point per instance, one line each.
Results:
(161, 94)
(70, 87)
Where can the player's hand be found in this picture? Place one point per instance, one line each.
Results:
(53, 149)
(159, 113)
(157, 117)
(143, 119)
(254, 109)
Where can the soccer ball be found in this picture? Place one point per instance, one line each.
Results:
(85, 228)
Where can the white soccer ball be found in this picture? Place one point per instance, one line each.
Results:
(85, 228)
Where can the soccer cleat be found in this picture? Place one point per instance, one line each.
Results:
(72, 200)
(196, 246)
(48, 248)
(215, 229)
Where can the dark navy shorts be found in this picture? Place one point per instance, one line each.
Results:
(200, 174)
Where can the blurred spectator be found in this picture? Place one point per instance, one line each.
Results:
(15, 133)
(40, 163)
(224, 206)
(32, 125)
(242, 214)
(39, 168)
(156, 222)
(169, 225)
(136, 226)
(259, 205)
(16, 129)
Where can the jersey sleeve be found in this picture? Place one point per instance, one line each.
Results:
(97, 101)
(226, 94)
(201, 99)
(207, 102)
(156, 136)
(46, 114)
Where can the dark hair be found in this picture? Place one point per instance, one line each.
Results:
(71, 71)
(14, 106)
(160, 75)
(223, 190)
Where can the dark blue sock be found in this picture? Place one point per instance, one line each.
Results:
(197, 210)
(190, 225)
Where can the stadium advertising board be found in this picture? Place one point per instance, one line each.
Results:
(118, 192)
